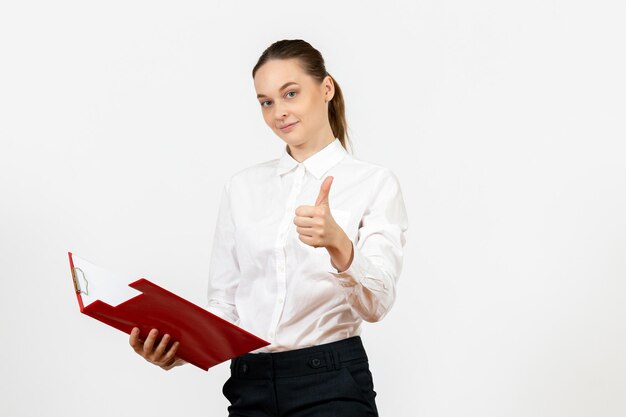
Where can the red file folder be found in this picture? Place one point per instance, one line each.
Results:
(205, 339)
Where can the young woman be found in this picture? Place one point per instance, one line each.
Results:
(306, 247)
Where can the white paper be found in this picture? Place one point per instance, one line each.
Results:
(101, 284)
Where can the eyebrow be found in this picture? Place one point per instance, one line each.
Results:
(280, 89)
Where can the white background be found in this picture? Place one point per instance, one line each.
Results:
(504, 122)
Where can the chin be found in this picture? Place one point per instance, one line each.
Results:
(291, 140)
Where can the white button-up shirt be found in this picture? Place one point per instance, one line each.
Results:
(263, 278)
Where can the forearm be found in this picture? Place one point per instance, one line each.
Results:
(368, 281)
(370, 289)
(341, 253)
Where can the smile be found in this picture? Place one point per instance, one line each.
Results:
(288, 128)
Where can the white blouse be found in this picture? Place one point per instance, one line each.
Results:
(263, 278)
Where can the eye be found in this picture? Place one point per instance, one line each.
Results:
(268, 101)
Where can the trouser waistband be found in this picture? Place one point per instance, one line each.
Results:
(296, 362)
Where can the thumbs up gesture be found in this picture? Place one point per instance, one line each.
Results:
(315, 224)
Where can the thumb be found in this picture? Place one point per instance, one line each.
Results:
(322, 198)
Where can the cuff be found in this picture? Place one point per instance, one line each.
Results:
(355, 273)
(222, 311)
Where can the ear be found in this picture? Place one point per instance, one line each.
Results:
(328, 88)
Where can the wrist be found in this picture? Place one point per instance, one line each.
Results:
(341, 253)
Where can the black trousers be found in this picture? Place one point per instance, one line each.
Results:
(328, 380)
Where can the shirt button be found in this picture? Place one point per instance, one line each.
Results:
(280, 300)
(281, 268)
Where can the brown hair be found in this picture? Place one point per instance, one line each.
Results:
(312, 63)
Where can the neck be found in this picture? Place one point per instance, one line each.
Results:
(310, 147)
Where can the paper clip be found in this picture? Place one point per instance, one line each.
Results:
(77, 285)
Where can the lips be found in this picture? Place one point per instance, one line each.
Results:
(286, 126)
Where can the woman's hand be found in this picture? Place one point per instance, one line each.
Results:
(316, 227)
(315, 224)
(157, 356)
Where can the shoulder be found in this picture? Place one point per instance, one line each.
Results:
(253, 174)
(370, 172)
(385, 200)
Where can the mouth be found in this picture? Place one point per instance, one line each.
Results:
(287, 127)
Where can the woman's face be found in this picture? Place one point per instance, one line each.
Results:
(289, 96)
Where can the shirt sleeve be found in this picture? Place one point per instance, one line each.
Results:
(223, 266)
(370, 280)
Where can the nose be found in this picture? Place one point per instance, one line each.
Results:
(279, 112)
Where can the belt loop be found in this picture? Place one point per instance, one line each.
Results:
(336, 360)
(330, 360)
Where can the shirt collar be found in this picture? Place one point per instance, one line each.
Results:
(318, 163)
